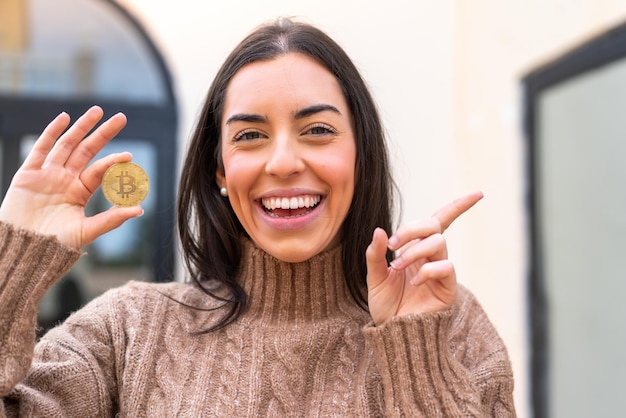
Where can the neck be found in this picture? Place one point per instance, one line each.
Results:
(308, 291)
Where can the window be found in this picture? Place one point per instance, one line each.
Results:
(97, 54)
(577, 165)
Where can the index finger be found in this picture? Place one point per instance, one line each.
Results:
(447, 214)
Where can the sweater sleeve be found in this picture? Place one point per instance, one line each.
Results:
(449, 363)
(29, 265)
(73, 372)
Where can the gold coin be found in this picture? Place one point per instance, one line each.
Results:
(125, 184)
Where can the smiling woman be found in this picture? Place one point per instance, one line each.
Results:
(302, 299)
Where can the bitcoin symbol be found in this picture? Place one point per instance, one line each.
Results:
(127, 185)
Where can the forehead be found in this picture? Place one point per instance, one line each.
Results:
(292, 79)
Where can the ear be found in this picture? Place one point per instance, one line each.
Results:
(220, 177)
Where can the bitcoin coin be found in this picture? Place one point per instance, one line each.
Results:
(125, 184)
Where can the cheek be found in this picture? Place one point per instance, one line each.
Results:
(341, 177)
(241, 175)
(341, 170)
(237, 170)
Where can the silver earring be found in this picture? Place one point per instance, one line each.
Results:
(224, 191)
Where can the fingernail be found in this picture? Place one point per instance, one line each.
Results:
(396, 264)
(393, 241)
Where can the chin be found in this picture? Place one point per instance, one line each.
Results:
(291, 253)
(293, 256)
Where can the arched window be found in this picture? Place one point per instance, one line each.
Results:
(54, 60)
(576, 130)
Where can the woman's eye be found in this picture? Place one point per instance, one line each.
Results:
(320, 130)
(247, 136)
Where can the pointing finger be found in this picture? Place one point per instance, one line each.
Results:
(447, 214)
(436, 224)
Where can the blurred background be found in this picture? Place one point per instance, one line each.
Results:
(521, 99)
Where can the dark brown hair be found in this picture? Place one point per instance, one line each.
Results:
(210, 233)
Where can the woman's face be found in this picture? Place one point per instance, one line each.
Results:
(289, 155)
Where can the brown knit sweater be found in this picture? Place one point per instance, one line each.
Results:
(302, 348)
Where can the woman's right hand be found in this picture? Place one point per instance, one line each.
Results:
(49, 192)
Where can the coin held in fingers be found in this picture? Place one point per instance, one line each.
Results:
(125, 184)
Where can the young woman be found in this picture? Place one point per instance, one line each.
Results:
(301, 299)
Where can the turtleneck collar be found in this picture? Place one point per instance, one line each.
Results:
(307, 291)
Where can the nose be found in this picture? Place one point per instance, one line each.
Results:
(285, 158)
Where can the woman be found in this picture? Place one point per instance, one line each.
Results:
(297, 305)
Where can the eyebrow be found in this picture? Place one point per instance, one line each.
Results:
(246, 117)
(311, 110)
(300, 114)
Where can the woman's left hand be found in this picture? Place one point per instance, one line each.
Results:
(421, 278)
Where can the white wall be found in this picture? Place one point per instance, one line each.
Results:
(403, 49)
(446, 75)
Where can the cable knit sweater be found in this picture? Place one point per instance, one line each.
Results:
(301, 348)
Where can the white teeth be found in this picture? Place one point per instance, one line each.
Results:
(304, 201)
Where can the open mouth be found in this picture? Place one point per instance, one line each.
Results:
(290, 207)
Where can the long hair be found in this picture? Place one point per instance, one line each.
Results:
(210, 232)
